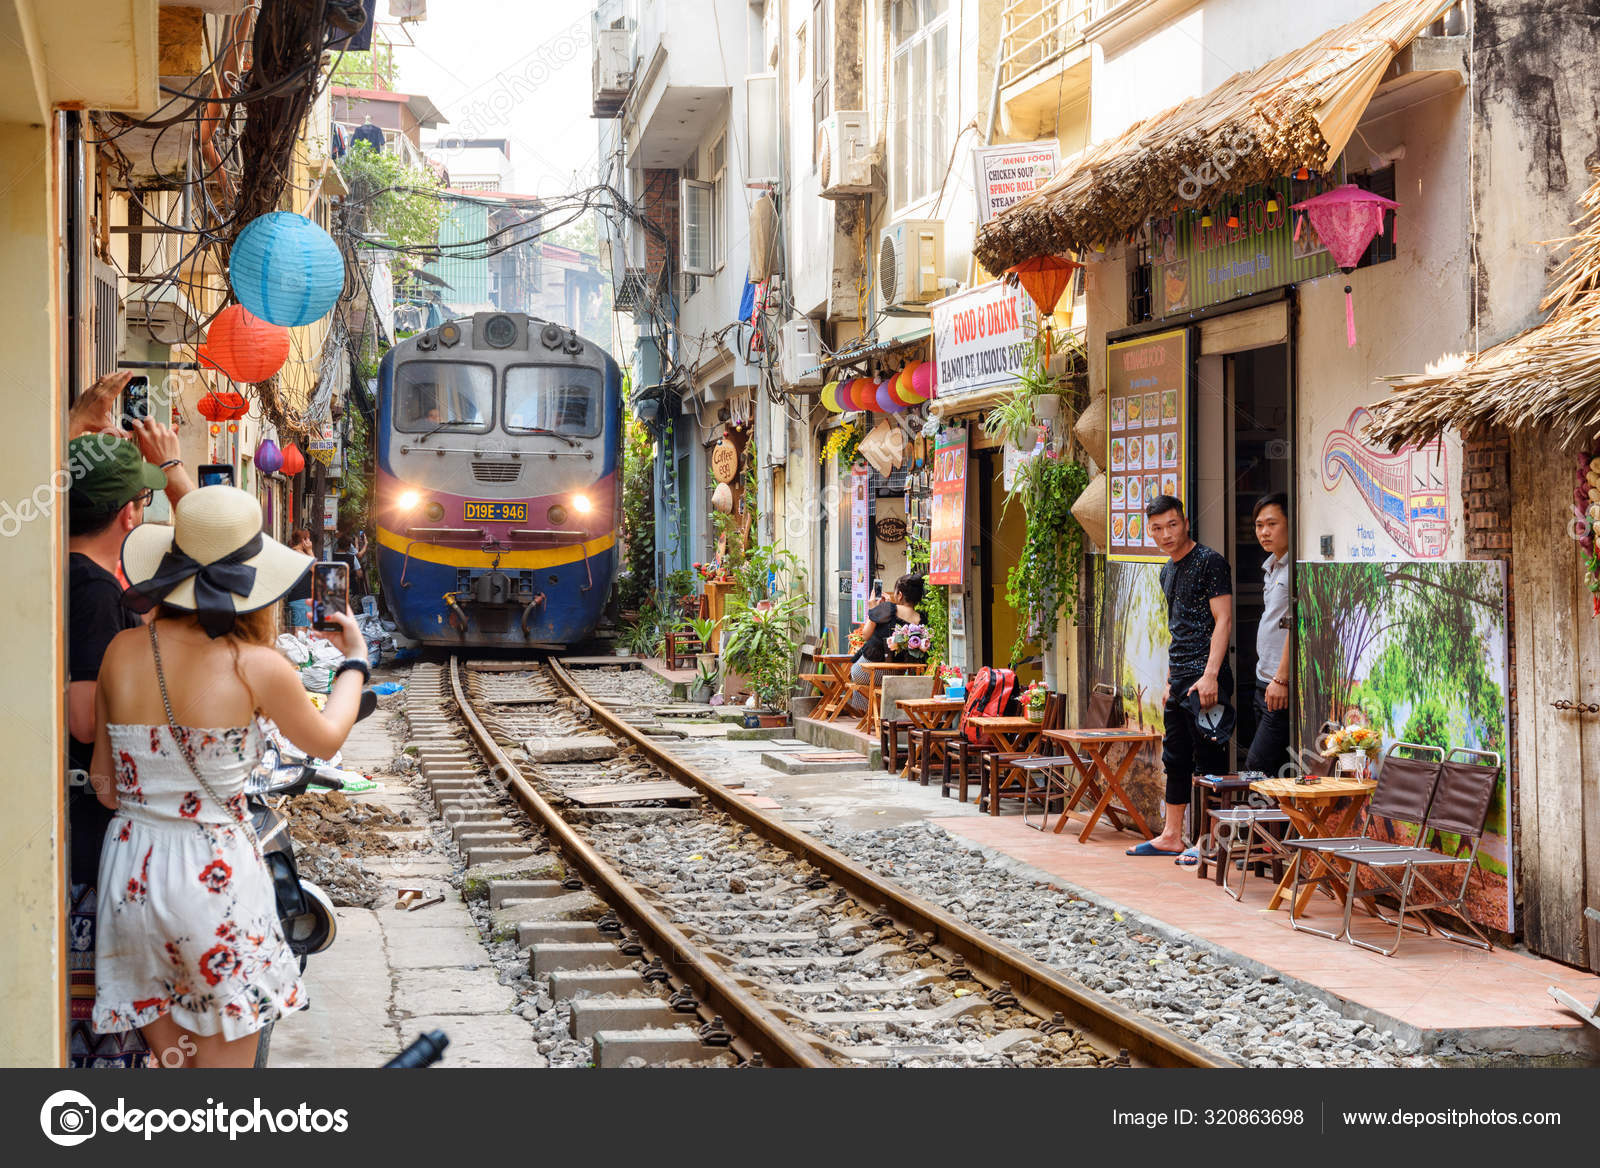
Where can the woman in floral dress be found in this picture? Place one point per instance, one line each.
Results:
(189, 949)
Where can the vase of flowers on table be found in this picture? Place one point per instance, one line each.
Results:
(910, 642)
(1354, 746)
(952, 681)
(1033, 700)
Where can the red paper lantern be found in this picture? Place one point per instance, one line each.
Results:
(293, 461)
(222, 406)
(244, 347)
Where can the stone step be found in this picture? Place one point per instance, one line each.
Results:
(814, 762)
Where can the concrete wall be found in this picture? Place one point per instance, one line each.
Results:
(32, 969)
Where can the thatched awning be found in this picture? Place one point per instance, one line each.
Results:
(1297, 110)
(1546, 377)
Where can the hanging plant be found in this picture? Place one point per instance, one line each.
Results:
(1586, 512)
(1010, 420)
(1043, 585)
(843, 442)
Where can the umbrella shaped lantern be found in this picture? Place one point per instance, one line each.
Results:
(1346, 219)
(1045, 279)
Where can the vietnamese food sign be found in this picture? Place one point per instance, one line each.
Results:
(981, 337)
(1005, 175)
(1197, 259)
(1147, 397)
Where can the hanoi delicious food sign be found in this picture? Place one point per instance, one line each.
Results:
(980, 338)
(1147, 398)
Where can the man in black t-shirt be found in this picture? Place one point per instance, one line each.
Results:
(1199, 589)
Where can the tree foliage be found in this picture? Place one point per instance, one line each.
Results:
(638, 515)
(394, 201)
(1043, 585)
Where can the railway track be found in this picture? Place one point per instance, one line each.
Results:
(772, 947)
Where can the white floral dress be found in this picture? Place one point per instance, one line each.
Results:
(188, 923)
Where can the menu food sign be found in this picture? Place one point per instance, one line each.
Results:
(948, 542)
(1147, 398)
(1238, 245)
(1005, 175)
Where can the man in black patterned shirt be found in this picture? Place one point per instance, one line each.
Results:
(1198, 585)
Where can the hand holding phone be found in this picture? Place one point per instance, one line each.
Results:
(345, 635)
(216, 474)
(330, 593)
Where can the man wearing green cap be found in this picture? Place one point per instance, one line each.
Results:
(111, 484)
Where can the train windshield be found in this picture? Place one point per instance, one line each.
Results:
(443, 395)
(561, 399)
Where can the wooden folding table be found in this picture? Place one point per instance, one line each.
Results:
(1089, 753)
(1323, 809)
(928, 714)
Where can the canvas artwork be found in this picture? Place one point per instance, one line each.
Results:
(1129, 614)
(1417, 651)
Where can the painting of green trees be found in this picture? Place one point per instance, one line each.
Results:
(1417, 651)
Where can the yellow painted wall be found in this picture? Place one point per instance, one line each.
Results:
(1006, 536)
(32, 710)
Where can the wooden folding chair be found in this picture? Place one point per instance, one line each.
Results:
(1008, 774)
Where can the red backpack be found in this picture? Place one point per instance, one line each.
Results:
(989, 696)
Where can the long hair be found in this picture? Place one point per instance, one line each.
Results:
(249, 628)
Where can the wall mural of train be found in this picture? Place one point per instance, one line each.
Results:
(499, 484)
(1406, 490)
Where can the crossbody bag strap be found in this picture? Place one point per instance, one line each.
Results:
(183, 748)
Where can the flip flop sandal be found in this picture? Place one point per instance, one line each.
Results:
(1188, 859)
(1148, 849)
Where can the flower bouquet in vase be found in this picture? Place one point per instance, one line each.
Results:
(910, 642)
(1033, 699)
(953, 681)
(1354, 746)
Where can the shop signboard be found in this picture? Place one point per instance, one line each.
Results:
(1147, 398)
(860, 558)
(980, 338)
(330, 513)
(1005, 175)
(1197, 259)
(948, 547)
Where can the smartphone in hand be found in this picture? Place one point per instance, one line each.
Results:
(135, 401)
(330, 592)
(216, 474)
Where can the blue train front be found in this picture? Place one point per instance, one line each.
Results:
(499, 482)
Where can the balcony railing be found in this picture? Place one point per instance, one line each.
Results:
(1035, 33)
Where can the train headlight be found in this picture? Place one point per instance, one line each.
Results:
(557, 515)
(581, 504)
(449, 334)
(434, 511)
(408, 500)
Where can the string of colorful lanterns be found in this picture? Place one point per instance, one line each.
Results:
(912, 385)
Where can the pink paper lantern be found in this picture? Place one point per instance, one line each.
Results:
(1346, 219)
(887, 402)
(923, 382)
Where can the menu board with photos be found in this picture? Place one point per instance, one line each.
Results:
(948, 549)
(1147, 398)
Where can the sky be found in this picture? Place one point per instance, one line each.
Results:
(517, 69)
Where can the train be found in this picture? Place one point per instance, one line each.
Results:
(499, 483)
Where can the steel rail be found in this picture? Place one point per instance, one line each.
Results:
(756, 1028)
(1040, 989)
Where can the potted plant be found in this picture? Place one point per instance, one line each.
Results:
(760, 644)
(1033, 699)
(705, 680)
(705, 631)
(953, 681)
(1355, 747)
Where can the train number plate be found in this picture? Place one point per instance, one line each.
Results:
(486, 511)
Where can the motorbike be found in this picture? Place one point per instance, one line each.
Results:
(304, 911)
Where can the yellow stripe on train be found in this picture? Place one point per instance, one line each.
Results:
(450, 557)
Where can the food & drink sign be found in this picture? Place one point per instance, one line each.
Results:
(1147, 397)
(980, 338)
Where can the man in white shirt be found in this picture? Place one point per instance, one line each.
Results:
(1269, 750)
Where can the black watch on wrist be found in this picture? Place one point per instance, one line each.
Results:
(356, 664)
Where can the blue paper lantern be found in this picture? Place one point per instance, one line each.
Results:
(285, 269)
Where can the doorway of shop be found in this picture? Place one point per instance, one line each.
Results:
(1002, 532)
(1259, 444)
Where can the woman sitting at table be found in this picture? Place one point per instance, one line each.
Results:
(898, 608)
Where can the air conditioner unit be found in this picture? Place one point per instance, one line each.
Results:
(910, 262)
(613, 70)
(801, 357)
(844, 155)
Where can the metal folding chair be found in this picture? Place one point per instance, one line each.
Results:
(1241, 836)
(1405, 791)
(1460, 809)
